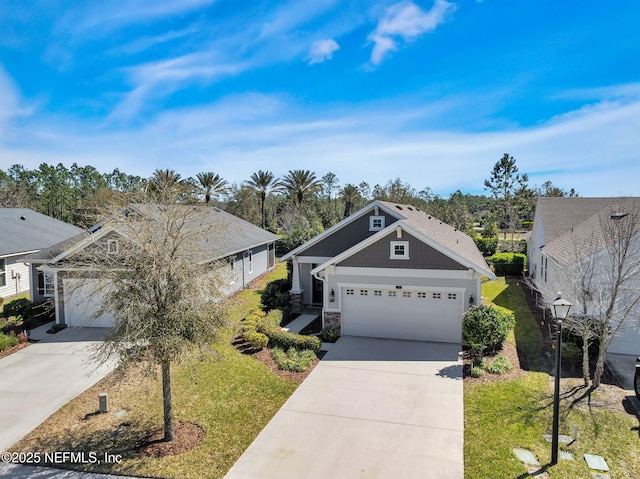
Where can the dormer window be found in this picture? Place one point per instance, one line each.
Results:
(376, 223)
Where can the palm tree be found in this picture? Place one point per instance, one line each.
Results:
(165, 183)
(300, 183)
(262, 182)
(349, 193)
(211, 184)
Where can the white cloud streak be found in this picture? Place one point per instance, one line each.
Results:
(405, 21)
(322, 50)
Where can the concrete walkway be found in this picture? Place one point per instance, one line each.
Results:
(18, 471)
(37, 380)
(371, 408)
(301, 322)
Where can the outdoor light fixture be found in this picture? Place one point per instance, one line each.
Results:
(332, 296)
(560, 310)
(471, 301)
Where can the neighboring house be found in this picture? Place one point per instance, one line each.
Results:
(567, 232)
(239, 250)
(390, 271)
(24, 231)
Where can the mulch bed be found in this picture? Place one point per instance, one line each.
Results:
(186, 436)
(14, 349)
(509, 351)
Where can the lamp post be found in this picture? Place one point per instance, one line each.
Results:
(560, 310)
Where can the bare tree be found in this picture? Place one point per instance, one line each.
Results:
(158, 279)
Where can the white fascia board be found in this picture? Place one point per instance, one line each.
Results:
(312, 259)
(447, 252)
(457, 289)
(93, 237)
(358, 214)
(357, 247)
(405, 273)
(10, 255)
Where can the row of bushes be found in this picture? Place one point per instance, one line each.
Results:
(259, 325)
(490, 246)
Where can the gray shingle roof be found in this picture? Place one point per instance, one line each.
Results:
(572, 226)
(22, 230)
(440, 232)
(232, 235)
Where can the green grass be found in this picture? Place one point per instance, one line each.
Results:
(232, 397)
(503, 415)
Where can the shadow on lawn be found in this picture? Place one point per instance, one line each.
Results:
(531, 332)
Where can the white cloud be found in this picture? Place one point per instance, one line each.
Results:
(405, 21)
(322, 50)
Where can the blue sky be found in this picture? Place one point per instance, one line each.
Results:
(431, 92)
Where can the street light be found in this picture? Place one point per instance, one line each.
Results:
(560, 310)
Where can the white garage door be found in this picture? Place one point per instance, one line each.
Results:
(82, 299)
(402, 313)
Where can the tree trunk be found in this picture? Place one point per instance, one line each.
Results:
(597, 375)
(166, 397)
(585, 361)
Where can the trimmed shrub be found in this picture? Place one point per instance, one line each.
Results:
(476, 372)
(485, 328)
(500, 365)
(18, 307)
(508, 263)
(7, 341)
(487, 246)
(285, 340)
(256, 340)
(330, 334)
(275, 295)
(512, 246)
(292, 359)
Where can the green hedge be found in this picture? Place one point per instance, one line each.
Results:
(256, 340)
(279, 338)
(487, 246)
(508, 263)
(484, 328)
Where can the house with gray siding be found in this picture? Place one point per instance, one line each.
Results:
(390, 271)
(23, 232)
(237, 250)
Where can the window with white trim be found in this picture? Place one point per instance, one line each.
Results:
(112, 246)
(376, 223)
(250, 261)
(399, 250)
(3, 272)
(232, 270)
(49, 284)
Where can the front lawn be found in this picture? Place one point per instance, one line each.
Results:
(500, 416)
(231, 397)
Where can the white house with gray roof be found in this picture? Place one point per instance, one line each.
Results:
(238, 250)
(568, 232)
(23, 232)
(390, 271)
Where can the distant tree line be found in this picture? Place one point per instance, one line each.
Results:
(297, 206)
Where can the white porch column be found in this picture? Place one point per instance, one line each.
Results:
(295, 282)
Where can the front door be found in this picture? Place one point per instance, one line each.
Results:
(316, 289)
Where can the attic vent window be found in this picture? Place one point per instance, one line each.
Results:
(376, 223)
(618, 216)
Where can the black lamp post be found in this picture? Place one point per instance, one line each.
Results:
(560, 310)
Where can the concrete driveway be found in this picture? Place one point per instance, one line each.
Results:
(37, 380)
(372, 408)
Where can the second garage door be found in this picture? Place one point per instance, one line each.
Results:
(402, 313)
(83, 299)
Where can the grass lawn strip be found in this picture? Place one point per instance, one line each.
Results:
(232, 398)
(511, 414)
